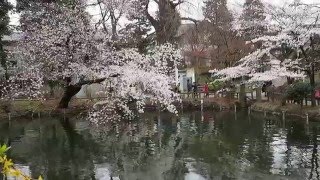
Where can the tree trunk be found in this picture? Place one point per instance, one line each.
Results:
(69, 92)
(258, 94)
(312, 84)
(72, 90)
(114, 26)
(243, 96)
(168, 21)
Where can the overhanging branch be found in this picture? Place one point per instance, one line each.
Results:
(99, 80)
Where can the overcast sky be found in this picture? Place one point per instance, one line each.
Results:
(192, 8)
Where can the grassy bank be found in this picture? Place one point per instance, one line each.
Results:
(288, 109)
(32, 108)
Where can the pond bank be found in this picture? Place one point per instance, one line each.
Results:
(26, 108)
(32, 108)
(288, 110)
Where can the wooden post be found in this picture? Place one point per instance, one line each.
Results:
(251, 94)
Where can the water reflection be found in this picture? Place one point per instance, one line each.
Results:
(194, 146)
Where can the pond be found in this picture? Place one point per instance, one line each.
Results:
(194, 146)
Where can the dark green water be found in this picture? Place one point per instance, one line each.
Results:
(194, 146)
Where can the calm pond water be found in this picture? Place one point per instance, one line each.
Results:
(194, 146)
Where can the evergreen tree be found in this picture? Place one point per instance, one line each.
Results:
(253, 19)
(217, 12)
(227, 46)
(5, 7)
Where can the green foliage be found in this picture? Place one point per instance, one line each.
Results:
(7, 166)
(203, 78)
(216, 85)
(3, 150)
(298, 91)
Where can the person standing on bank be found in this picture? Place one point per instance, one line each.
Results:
(206, 90)
(189, 86)
(195, 90)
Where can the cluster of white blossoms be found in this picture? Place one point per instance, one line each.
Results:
(291, 26)
(60, 43)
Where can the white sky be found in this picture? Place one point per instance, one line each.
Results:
(192, 8)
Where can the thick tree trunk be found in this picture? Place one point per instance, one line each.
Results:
(69, 92)
(114, 24)
(72, 90)
(168, 21)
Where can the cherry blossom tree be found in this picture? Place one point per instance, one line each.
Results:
(61, 45)
(289, 49)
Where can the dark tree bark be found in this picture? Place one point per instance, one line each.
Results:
(69, 92)
(243, 96)
(168, 21)
(72, 90)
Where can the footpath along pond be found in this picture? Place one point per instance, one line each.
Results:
(194, 146)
